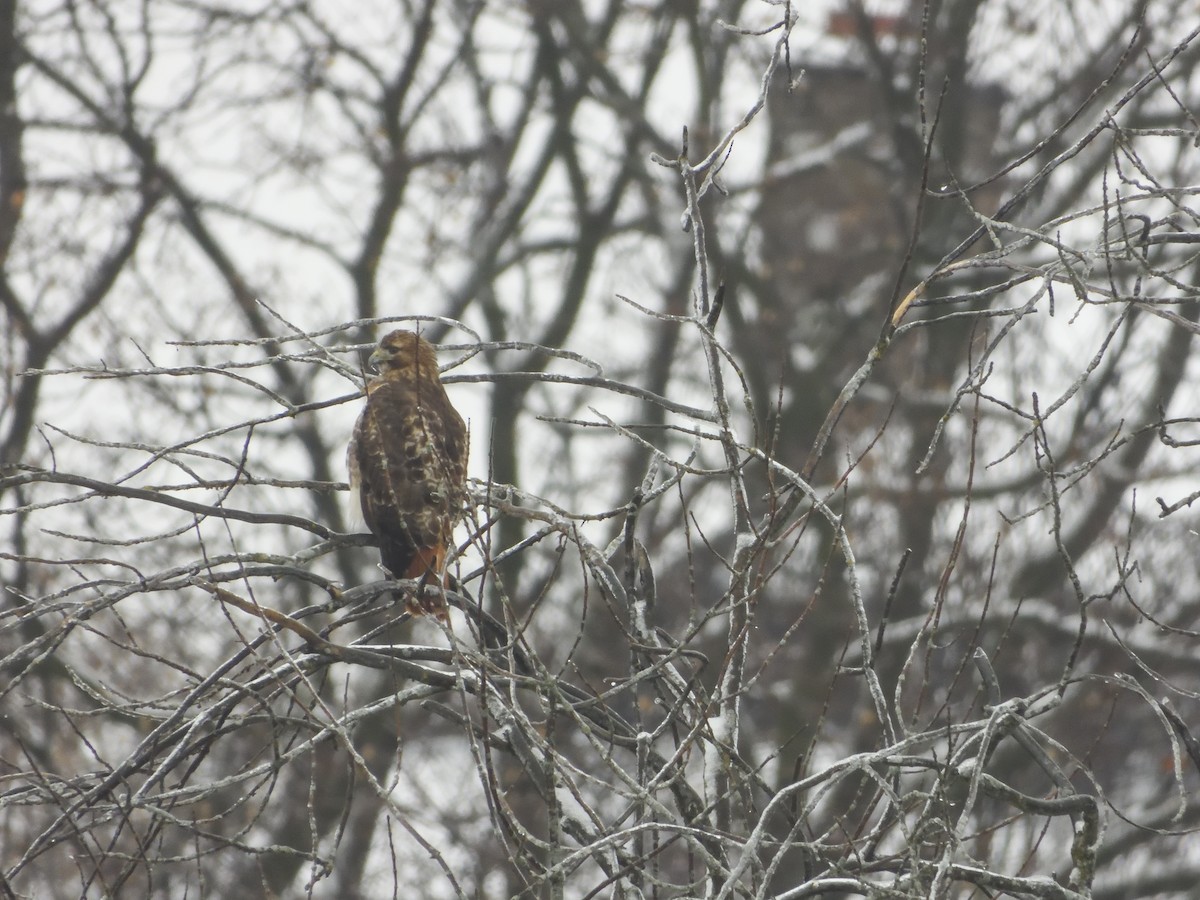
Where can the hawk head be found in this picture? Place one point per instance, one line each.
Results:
(403, 354)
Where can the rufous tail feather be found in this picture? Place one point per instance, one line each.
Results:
(427, 565)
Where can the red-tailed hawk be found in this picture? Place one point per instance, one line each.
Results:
(408, 463)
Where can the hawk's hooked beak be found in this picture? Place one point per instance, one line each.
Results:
(377, 359)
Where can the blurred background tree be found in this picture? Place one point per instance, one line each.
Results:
(829, 375)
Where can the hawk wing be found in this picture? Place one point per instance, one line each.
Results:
(408, 458)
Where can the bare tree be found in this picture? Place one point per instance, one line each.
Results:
(828, 376)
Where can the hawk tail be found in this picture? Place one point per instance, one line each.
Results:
(426, 561)
(426, 564)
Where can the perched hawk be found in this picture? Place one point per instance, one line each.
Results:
(408, 463)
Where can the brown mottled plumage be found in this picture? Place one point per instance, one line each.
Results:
(408, 463)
